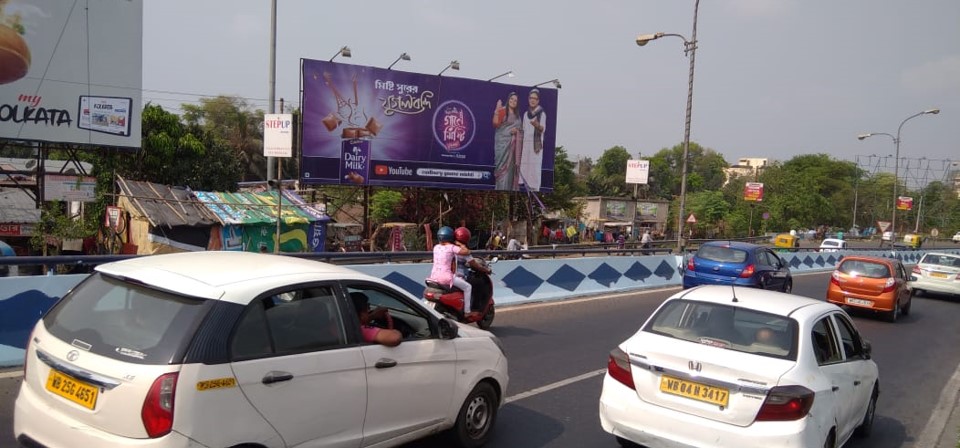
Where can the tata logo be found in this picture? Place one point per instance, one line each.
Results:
(73, 355)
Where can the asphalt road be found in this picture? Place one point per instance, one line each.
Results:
(558, 354)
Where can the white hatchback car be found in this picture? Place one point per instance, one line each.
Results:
(936, 272)
(832, 245)
(228, 349)
(720, 366)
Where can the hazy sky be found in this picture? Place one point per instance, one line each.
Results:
(774, 78)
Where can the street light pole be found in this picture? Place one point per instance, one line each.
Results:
(896, 164)
(690, 49)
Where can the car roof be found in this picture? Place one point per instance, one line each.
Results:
(731, 244)
(833, 240)
(757, 299)
(942, 254)
(208, 274)
(881, 260)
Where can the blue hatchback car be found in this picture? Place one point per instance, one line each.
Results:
(737, 263)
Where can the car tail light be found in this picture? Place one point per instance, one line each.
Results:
(916, 270)
(157, 412)
(835, 278)
(747, 271)
(618, 367)
(786, 403)
(890, 285)
(691, 266)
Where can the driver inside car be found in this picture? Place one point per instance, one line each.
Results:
(384, 336)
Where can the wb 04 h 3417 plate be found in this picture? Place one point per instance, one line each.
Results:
(696, 391)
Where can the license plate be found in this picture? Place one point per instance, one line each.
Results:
(861, 302)
(696, 391)
(938, 275)
(72, 389)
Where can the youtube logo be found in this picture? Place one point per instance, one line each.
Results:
(380, 170)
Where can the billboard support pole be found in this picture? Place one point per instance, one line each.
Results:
(271, 161)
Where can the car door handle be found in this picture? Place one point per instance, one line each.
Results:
(385, 363)
(276, 377)
(856, 382)
(835, 388)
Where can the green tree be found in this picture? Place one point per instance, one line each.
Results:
(566, 186)
(608, 175)
(232, 120)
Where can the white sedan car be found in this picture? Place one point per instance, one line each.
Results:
(230, 349)
(936, 272)
(720, 366)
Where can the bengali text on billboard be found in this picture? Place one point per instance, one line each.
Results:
(753, 191)
(371, 126)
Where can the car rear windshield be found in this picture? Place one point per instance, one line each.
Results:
(126, 321)
(860, 268)
(727, 327)
(942, 260)
(722, 254)
(830, 243)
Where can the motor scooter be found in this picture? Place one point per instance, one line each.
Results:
(449, 301)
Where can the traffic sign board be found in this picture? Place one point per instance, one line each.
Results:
(692, 219)
(883, 225)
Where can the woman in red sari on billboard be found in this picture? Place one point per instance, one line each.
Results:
(506, 121)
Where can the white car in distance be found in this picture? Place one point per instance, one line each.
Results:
(724, 366)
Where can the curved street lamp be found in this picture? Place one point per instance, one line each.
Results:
(555, 82)
(344, 51)
(453, 64)
(508, 74)
(896, 164)
(689, 49)
(403, 56)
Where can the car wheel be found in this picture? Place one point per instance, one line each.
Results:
(918, 292)
(788, 286)
(626, 443)
(894, 314)
(866, 425)
(474, 424)
(487, 320)
(906, 308)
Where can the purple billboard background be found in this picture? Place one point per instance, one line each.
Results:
(417, 130)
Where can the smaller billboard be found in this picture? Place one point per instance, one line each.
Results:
(278, 135)
(69, 188)
(753, 191)
(638, 171)
(904, 203)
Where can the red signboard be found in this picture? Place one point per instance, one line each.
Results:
(9, 229)
(753, 191)
(904, 203)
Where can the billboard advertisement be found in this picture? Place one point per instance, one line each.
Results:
(371, 126)
(753, 191)
(904, 203)
(638, 171)
(71, 71)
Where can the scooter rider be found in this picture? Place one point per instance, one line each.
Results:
(478, 284)
(444, 264)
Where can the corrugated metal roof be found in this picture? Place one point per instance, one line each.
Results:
(166, 206)
(17, 207)
(259, 207)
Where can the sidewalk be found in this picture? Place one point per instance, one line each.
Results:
(951, 432)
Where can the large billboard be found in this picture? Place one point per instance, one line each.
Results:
(372, 126)
(71, 71)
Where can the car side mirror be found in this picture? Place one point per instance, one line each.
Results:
(913, 278)
(867, 349)
(448, 329)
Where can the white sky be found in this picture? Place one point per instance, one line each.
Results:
(774, 78)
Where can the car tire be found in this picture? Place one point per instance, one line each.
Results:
(474, 424)
(626, 443)
(918, 292)
(866, 425)
(894, 314)
(487, 320)
(788, 287)
(905, 310)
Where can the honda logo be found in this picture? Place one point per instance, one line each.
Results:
(694, 365)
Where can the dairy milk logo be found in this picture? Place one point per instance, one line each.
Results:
(454, 125)
(355, 161)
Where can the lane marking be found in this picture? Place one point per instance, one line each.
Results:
(941, 413)
(553, 386)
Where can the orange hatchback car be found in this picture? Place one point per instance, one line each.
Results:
(872, 283)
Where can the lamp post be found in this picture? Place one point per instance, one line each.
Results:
(507, 74)
(453, 64)
(344, 51)
(403, 56)
(689, 49)
(555, 82)
(896, 163)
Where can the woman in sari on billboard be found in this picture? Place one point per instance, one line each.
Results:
(506, 121)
